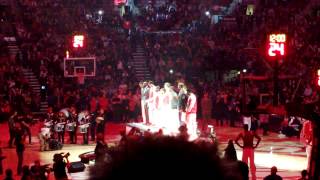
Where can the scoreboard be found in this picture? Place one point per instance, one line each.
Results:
(276, 45)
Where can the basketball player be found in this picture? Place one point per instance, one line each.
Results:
(174, 113)
(191, 114)
(151, 102)
(166, 107)
(182, 102)
(144, 98)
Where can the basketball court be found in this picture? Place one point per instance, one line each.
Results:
(274, 150)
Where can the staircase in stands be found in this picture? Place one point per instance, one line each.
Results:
(36, 89)
(139, 64)
(30, 77)
(12, 47)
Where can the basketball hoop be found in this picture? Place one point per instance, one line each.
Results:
(79, 67)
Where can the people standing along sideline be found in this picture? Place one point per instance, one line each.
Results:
(12, 129)
(20, 147)
(191, 112)
(206, 106)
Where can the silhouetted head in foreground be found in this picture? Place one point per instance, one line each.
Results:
(164, 158)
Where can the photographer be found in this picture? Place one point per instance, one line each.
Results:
(59, 166)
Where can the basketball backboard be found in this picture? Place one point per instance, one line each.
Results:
(79, 66)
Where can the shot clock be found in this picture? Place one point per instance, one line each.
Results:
(276, 46)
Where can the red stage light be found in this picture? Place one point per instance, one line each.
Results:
(277, 45)
(318, 77)
(118, 2)
(78, 41)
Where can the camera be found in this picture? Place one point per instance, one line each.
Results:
(66, 155)
(59, 156)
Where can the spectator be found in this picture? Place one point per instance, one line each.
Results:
(26, 175)
(38, 172)
(222, 111)
(100, 149)
(230, 153)
(103, 102)
(304, 175)
(206, 106)
(273, 175)
(198, 161)
(9, 175)
(244, 169)
(183, 132)
(93, 104)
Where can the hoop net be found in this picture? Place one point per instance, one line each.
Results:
(80, 78)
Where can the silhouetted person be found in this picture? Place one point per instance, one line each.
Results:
(244, 169)
(100, 150)
(19, 142)
(164, 157)
(183, 132)
(26, 122)
(26, 175)
(59, 166)
(304, 175)
(8, 174)
(273, 175)
(230, 153)
(11, 129)
(221, 109)
(38, 172)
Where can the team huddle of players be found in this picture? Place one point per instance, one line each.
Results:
(167, 109)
